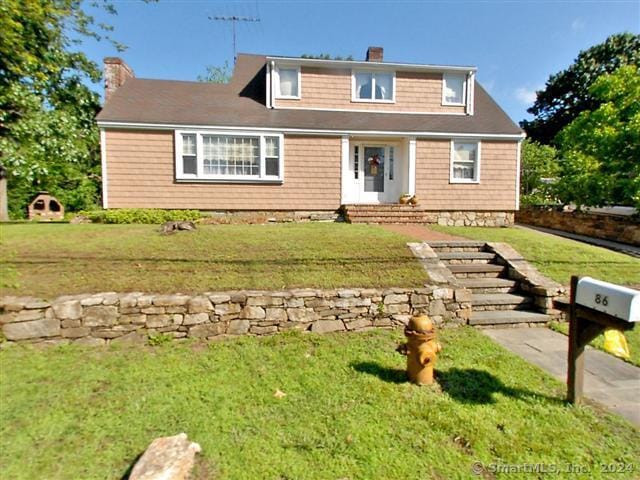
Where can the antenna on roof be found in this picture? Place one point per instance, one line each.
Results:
(234, 19)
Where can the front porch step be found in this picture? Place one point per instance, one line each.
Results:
(454, 258)
(489, 285)
(499, 301)
(385, 213)
(385, 207)
(386, 219)
(503, 317)
(477, 270)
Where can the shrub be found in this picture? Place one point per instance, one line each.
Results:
(140, 215)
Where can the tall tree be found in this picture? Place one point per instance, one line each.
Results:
(567, 94)
(48, 137)
(601, 148)
(215, 74)
(539, 169)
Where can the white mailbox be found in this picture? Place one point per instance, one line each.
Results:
(614, 300)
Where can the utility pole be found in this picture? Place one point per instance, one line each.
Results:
(234, 19)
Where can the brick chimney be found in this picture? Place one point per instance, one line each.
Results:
(374, 54)
(116, 72)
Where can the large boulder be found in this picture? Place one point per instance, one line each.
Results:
(167, 458)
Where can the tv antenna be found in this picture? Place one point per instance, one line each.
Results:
(234, 19)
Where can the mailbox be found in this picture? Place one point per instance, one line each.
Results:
(614, 300)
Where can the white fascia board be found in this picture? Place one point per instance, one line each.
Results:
(310, 131)
(409, 67)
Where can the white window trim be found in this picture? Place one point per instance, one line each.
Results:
(276, 79)
(478, 144)
(354, 97)
(463, 103)
(201, 177)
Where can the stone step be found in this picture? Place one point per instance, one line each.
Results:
(502, 317)
(455, 243)
(385, 207)
(455, 258)
(477, 270)
(489, 285)
(499, 301)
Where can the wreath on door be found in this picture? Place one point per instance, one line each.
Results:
(374, 162)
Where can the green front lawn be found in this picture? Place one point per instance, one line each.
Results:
(556, 257)
(69, 413)
(47, 260)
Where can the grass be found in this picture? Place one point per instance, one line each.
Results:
(347, 413)
(58, 259)
(559, 258)
(632, 336)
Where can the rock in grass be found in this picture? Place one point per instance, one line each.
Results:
(171, 227)
(167, 458)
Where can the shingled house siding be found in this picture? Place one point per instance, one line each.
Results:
(331, 88)
(497, 187)
(140, 172)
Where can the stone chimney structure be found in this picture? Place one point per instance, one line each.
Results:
(116, 72)
(374, 54)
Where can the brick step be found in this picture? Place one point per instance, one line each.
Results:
(489, 285)
(380, 219)
(503, 317)
(374, 213)
(477, 270)
(384, 208)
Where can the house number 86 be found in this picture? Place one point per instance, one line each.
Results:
(602, 300)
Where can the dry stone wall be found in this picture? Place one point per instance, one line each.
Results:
(609, 227)
(103, 318)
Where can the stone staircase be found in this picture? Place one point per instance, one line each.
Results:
(496, 298)
(386, 213)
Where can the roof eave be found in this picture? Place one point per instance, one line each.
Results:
(412, 67)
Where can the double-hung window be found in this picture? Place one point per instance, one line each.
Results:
(454, 89)
(287, 82)
(465, 162)
(373, 87)
(216, 156)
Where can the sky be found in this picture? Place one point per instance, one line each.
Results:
(516, 45)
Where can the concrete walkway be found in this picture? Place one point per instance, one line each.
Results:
(607, 380)
(599, 242)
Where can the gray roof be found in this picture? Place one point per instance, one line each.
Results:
(241, 103)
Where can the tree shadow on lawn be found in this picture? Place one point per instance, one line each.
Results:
(465, 385)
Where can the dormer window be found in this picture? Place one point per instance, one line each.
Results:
(454, 89)
(373, 87)
(287, 82)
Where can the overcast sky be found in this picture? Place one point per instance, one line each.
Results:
(515, 44)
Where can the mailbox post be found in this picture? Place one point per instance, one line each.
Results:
(595, 306)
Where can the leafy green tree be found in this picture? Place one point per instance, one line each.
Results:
(567, 93)
(215, 74)
(48, 136)
(601, 148)
(539, 169)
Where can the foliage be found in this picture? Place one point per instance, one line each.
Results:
(48, 139)
(60, 259)
(601, 148)
(159, 339)
(539, 169)
(558, 258)
(140, 215)
(215, 74)
(326, 56)
(349, 411)
(567, 93)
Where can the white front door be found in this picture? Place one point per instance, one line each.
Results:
(373, 173)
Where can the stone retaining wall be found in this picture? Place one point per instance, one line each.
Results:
(609, 227)
(102, 318)
(471, 219)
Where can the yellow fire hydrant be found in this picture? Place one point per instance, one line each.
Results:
(421, 349)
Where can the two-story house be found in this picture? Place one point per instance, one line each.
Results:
(298, 134)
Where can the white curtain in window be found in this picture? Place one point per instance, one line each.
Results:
(454, 88)
(384, 86)
(465, 152)
(288, 82)
(363, 85)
